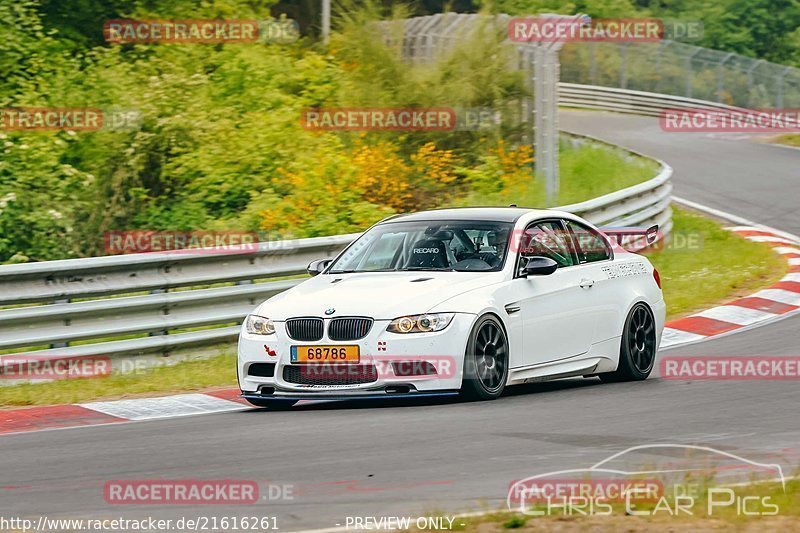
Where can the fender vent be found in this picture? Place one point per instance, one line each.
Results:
(262, 370)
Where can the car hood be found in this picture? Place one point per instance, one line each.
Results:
(381, 295)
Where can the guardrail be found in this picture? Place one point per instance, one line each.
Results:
(90, 299)
(157, 313)
(641, 205)
(62, 320)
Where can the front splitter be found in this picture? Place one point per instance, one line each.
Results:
(345, 395)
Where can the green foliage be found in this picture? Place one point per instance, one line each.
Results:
(765, 29)
(593, 8)
(475, 74)
(218, 122)
(40, 197)
(515, 522)
(221, 147)
(790, 139)
(587, 170)
(26, 52)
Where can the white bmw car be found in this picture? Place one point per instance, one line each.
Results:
(456, 301)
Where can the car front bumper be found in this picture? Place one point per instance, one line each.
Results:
(396, 359)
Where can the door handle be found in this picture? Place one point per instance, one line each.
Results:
(587, 283)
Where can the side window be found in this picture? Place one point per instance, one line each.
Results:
(545, 239)
(590, 245)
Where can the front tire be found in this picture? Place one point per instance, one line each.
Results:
(637, 352)
(486, 360)
(274, 405)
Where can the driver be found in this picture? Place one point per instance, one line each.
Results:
(497, 240)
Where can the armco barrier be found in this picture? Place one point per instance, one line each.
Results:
(193, 316)
(628, 101)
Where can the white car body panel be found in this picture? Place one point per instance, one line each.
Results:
(381, 295)
(564, 324)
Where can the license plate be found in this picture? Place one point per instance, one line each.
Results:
(324, 354)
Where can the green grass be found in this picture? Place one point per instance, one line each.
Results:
(515, 522)
(591, 170)
(721, 267)
(185, 376)
(790, 139)
(587, 170)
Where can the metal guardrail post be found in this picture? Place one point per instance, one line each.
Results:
(545, 86)
(750, 81)
(779, 87)
(689, 60)
(720, 78)
(526, 104)
(623, 65)
(326, 21)
(663, 45)
(164, 311)
(545, 117)
(66, 323)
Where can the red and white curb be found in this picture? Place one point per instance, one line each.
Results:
(776, 301)
(119, 411)
(770, 303)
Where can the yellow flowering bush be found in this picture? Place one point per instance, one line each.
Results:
(500, 169)
(382, 176)
(435, 174)
(346, 192)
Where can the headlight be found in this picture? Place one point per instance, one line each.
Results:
(420, 323)
(258, 325)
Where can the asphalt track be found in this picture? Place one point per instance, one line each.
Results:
(416, 457)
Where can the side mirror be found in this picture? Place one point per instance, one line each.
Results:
(539, 266)
(651, 234)
(318, 266)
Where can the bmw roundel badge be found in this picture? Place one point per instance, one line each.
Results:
(330, 311)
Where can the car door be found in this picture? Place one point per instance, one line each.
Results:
(555, 310)
(595, 255)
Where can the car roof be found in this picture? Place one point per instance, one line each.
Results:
(493, 214)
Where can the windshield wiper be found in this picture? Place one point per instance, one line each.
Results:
(352, 271)
(404, 269)
(439, 269)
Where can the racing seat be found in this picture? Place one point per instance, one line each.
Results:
(428, 253)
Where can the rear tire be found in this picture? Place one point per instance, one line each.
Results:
(274, 405)
(637, 352)
(486, 360)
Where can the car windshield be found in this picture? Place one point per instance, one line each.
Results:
(441, 245)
